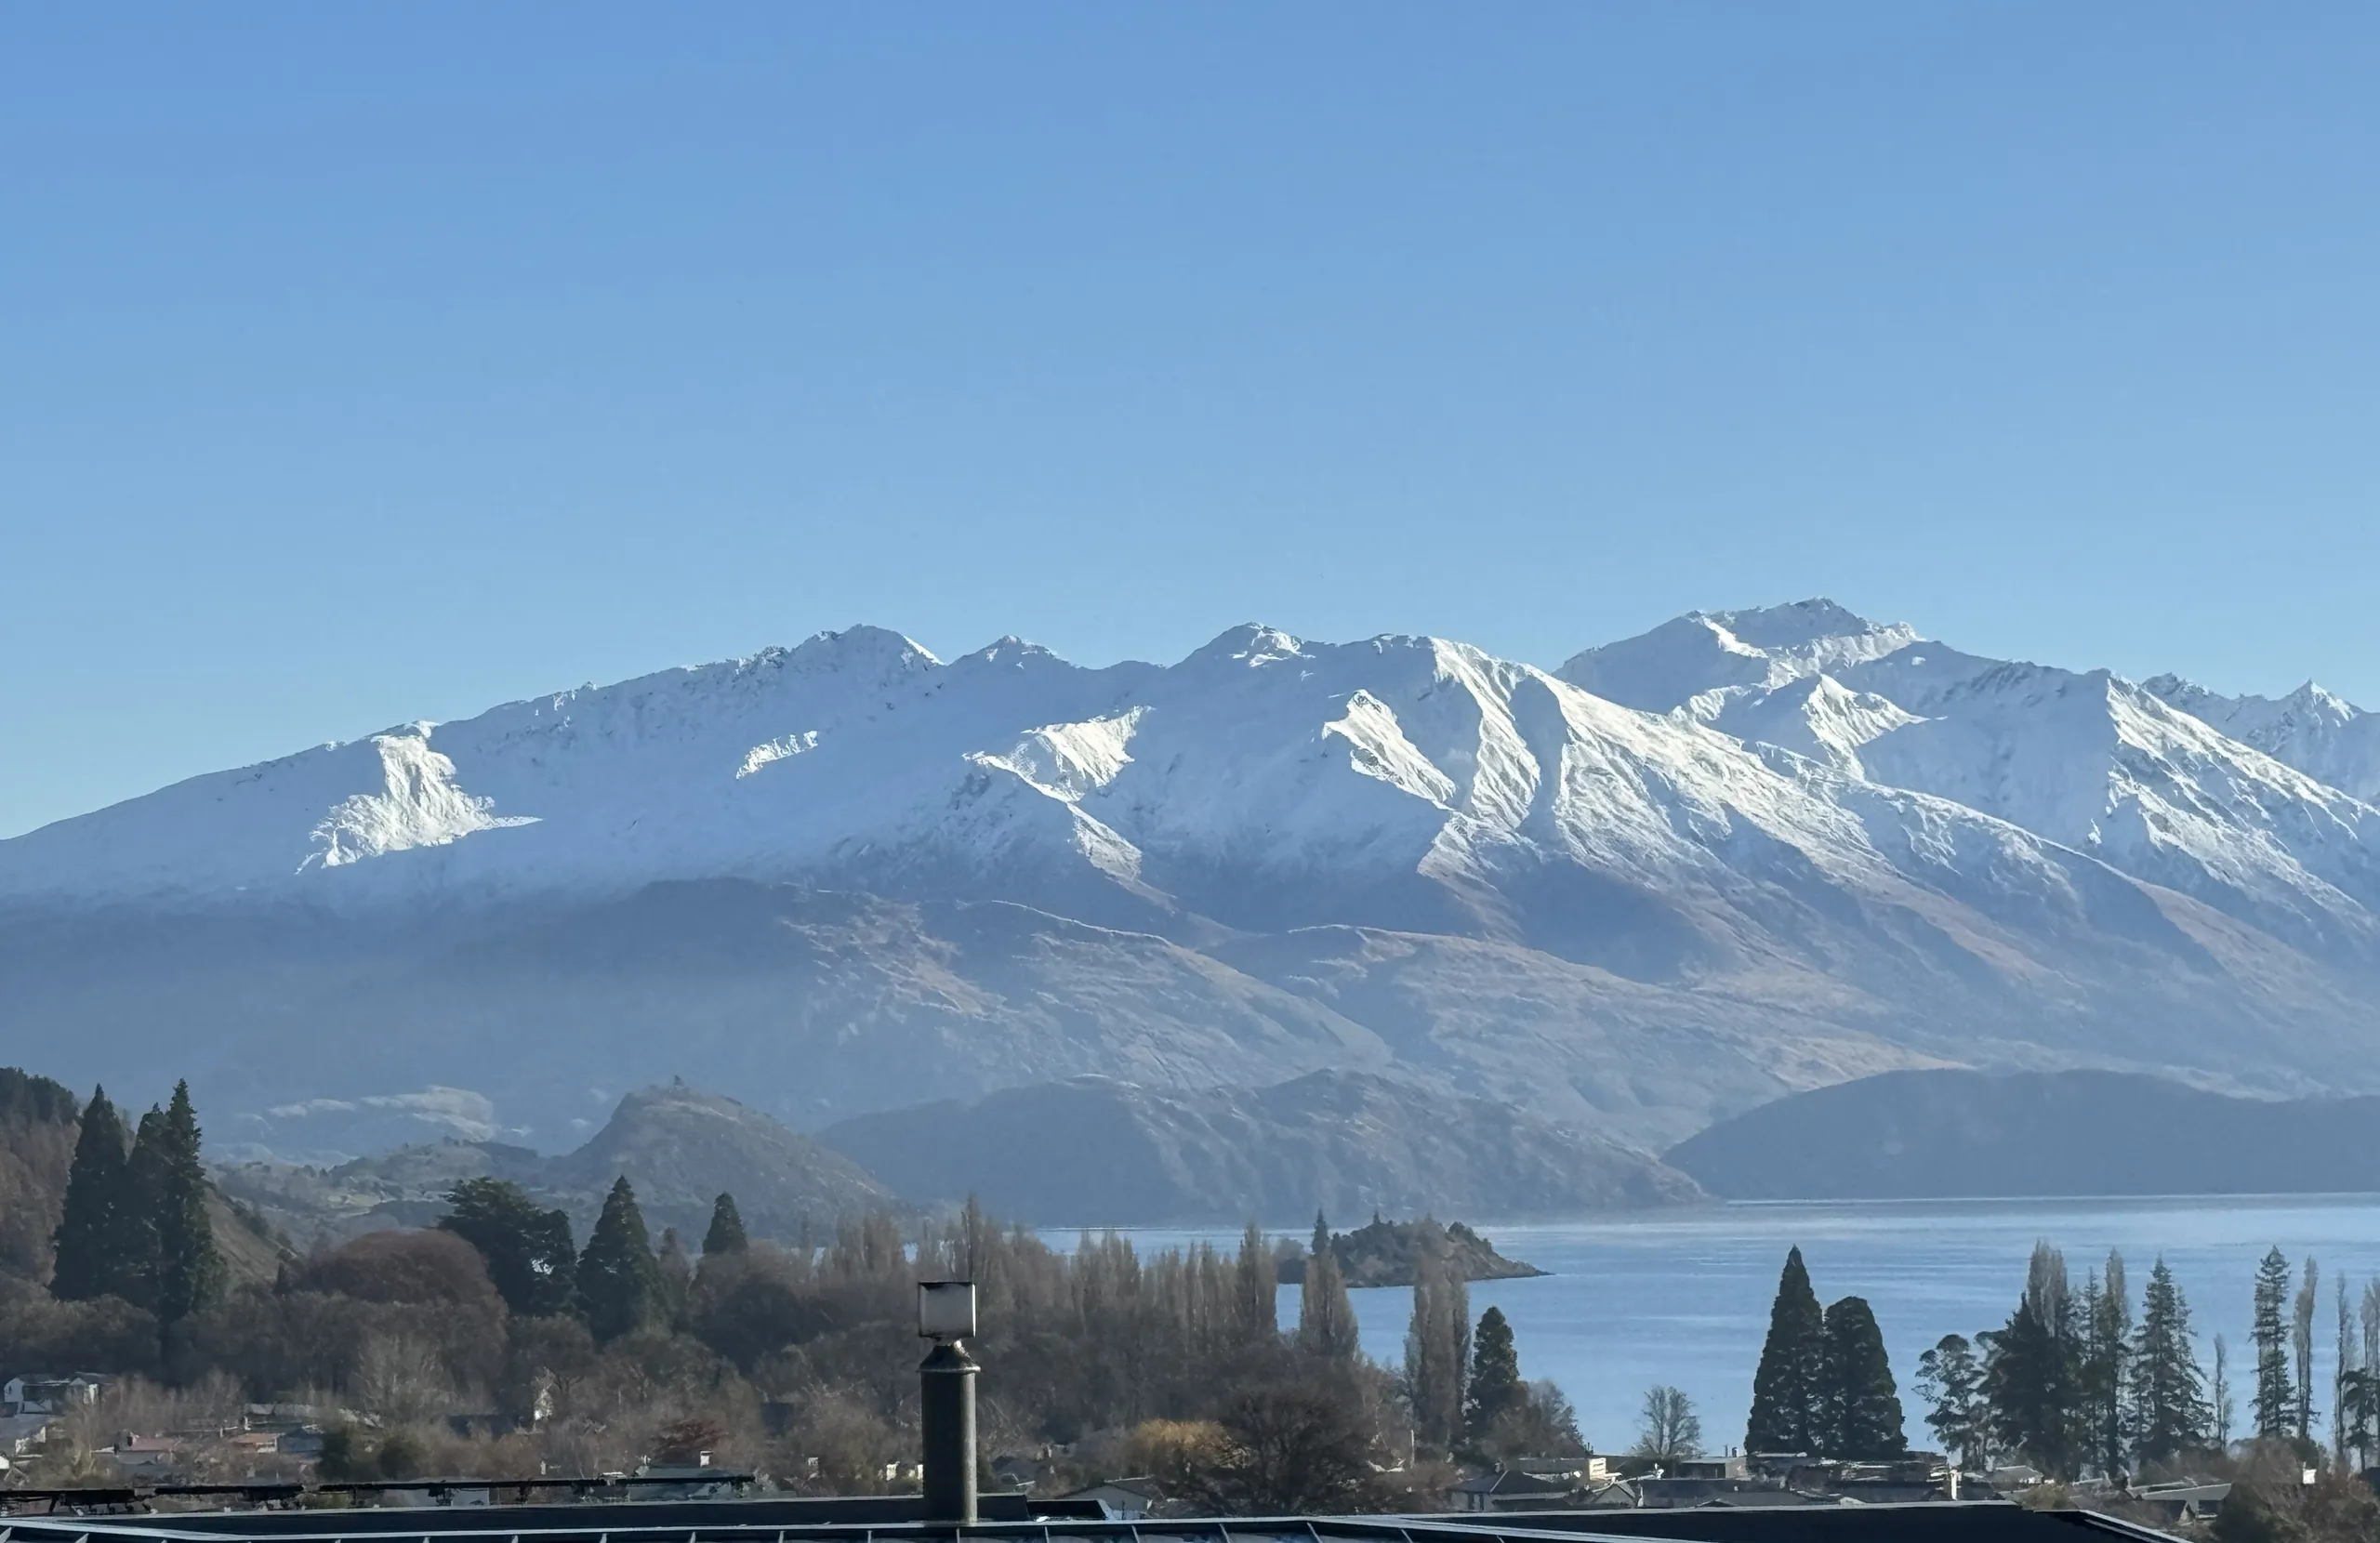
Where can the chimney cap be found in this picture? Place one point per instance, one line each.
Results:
(946, 1310)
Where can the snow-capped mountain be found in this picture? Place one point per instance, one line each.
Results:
(2328, 738)
(2087, 760)
(1744, 853)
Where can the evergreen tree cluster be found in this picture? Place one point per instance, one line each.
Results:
(135, 1224)
(1825, 1385)
(2072, 1384)
(619, 1285)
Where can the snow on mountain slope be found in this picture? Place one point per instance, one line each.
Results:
(1815, 716)
(1721, 650)
(1833, 846)
(2090, 760)
(2325, 736)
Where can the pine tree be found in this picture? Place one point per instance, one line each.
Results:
(2169, 1413)
(88, 1230)
(1495, 1387)
(1949, 1378)
(1326, 1316)
(138, 1260)
(529, 1253)
(726, 1234)
(617, 1278)
(2029, 1381)
(1256, 1290)
(1785, 1392)
(2274, 1400)
(188, 1269)
(1861, 1416)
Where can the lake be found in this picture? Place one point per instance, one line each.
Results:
(1682, 1297)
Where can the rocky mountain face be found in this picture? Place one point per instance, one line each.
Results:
(1096, 1152)
(1919, 1135)
(680, 1148)
(1746, 855)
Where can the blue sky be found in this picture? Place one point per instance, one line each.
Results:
(359, 365)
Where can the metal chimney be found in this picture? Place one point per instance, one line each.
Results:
(947, 1400)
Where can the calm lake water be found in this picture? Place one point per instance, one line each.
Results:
(1683, 1297)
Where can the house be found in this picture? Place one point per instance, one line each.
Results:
(1590, 1467)
(50, 1394)
(143, 1456)
(21, 1433)
(1735, 1465)
(2183, 1502)
(1514, 1489)
(1123, 1499)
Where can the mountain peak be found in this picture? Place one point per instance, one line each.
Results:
(1251, 643)
(1718, 650)
(1798, 622)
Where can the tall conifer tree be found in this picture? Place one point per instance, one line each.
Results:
(137, 1245)
(1495, 1387)
(2275, 1399)
(2170, 1415)
(2029, 1381)
(188, 1271)
(1861, 1405)
(618, 1284)
(726, 1234)
(1786, 1390)
(87, 1230)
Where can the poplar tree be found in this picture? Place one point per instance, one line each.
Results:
(2301, 1344)
(1326, 1316)
(1786, 1390)
(2170, 1414)
(89, 1229)
(1861, 1414)
(673, 1276)
(1256, 1287)
(619, 1281)
(2221, 1409)
(2107, 1346)
(1496, 1387)
(726, 1234)
(189, 1272)
(2275, 1399)
(1437, 1343)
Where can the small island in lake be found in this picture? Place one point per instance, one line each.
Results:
(1381, 1254)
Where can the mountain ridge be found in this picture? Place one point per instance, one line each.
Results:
(1787, 847)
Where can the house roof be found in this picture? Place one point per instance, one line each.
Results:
(1511, 1481)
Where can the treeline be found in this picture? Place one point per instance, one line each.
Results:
(2083, 1380)
(491, 1343)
